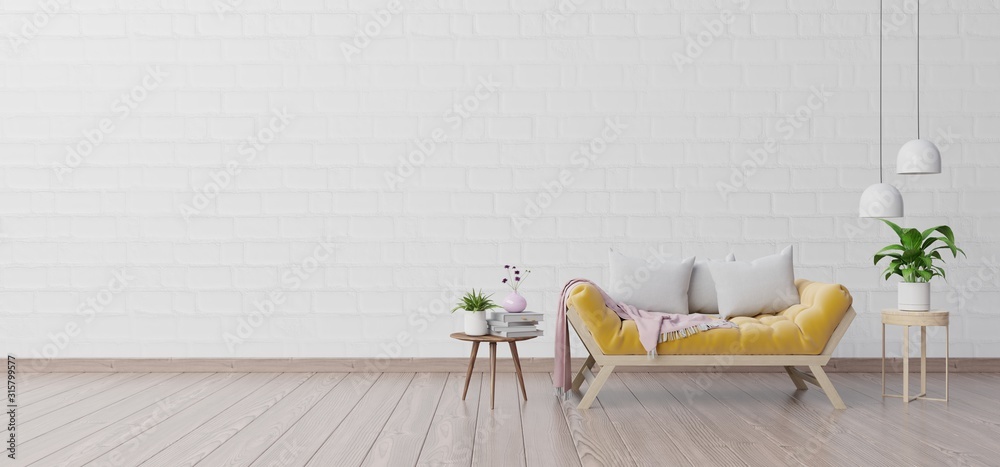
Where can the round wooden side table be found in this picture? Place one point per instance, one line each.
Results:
(923, 319)
(492, 340)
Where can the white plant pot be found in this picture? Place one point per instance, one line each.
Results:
(475, 323)
(914, 296)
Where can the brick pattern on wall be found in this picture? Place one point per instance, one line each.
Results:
(310, 178)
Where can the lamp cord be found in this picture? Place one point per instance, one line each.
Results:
(880, 3)
(918, 70)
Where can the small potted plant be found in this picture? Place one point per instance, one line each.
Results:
(475, 305)
(514, 302)
(913, 260)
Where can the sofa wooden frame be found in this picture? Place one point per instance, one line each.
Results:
(608, 363)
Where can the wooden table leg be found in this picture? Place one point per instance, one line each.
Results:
(493, 372)
(883, 359)
(517, 366)
(947, 356)
(923, 360)
(472, 363)
(906, 364)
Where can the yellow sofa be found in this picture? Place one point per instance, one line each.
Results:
(802, 329)
(805, 334)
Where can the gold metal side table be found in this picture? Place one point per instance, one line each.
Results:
(923, 319)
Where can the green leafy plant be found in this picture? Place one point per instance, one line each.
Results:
(913, 257)
(475, 302)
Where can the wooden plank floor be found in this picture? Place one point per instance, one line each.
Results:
(392, 419)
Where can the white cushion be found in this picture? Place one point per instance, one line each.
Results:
(652, 284)
(702, 296)
(763, 286)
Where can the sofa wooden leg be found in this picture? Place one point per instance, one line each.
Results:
(800, 384)
(827, 385)
(595, 387)
(578, 381)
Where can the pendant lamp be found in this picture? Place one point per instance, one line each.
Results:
(918, 156)
(880, 200)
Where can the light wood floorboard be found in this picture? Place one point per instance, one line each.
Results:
(35, 381)
(594, 435)
(58, 439)
(714, 417)
(402, 436)
(185, 421)
(852, 434)
(298, 444)
(250, 442)
(132, 428)
(499, 439)
(633, 424)
(972, 436)
(796, 438)
(35, 425)
(390, 419)
(452, 432)
(192, 448)
(350, 443)
(52, 403)
(31, 394)
(547, 439)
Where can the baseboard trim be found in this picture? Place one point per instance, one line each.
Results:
(442, 365)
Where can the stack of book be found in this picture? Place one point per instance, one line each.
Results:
(523, 324)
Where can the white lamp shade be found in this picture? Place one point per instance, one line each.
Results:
(918, 156)
(881, 200)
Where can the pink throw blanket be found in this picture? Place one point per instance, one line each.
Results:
(653, 329)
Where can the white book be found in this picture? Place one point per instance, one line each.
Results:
(515, 317)
(516, 325)
(535, 333)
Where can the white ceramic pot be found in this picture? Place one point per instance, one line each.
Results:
(475, 323)
(914, 296)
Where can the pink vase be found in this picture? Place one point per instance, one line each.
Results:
(514, 303)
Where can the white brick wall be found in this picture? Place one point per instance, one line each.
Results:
(250, 262)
